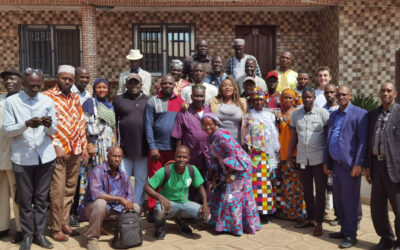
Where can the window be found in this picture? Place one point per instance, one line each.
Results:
(159, 44)
(46, 47)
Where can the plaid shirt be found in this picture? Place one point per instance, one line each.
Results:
(71, 123)
(232, 63)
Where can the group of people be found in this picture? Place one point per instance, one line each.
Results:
(225, 148)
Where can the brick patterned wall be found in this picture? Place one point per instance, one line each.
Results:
(89, 41)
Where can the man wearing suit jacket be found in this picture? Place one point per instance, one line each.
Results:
(383, 166)
(344, 156)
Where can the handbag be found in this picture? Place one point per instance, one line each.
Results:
(93, 122)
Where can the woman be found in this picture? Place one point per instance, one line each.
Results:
(262, 140)
(100, 128)
(289, 188)
(230, 108)
(176, 71)
(231, 199)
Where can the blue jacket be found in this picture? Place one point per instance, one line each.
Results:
(353, 137)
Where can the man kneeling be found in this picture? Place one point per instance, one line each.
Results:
(173, 200)
(109, 192)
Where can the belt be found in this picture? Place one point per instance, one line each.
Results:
(338, 162)
(380, 157)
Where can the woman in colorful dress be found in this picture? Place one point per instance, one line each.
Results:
(291, 205)
(231, 199)
(100, 128)
(176, 71)
(262, 141)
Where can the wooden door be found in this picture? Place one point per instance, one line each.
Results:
(260, 42)
(398, 74)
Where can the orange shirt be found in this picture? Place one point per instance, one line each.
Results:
(71, 123)
(284, 138)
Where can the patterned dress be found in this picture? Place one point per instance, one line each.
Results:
(232, 205)
(290, 200)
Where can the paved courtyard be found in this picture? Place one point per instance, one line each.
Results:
(278, 235)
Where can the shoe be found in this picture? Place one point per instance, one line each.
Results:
(184, 228)
(318, 229)
(73, 222)
(17, 237)
(92, 244)
(4, 233)
(42, 241)
(334, 222)
(160, 231)
(337, 235)
(306, 223)
(26, 243)
(384, 244)
(59, 236)
(150, 217)
(348, 242)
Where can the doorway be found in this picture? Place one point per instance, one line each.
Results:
(261, 43)
(398, 74)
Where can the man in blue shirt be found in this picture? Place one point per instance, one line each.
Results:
(29, 119)
(218, 75)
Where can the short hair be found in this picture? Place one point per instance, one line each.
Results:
(307, 89)
(26, 75)
(167, 75)
(198, 87)
(324, 68)
(195, 64)
(303, 72)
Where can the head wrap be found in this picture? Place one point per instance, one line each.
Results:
(297, 100)
(177, 63)
(258, 93)
(105, 100)
(66, 69)
(213, 117)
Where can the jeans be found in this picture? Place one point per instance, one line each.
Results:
(188, 212)
(139, 167)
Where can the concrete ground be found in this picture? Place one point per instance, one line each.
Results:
(278, 235)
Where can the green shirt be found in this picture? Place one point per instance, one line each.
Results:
(176, 189)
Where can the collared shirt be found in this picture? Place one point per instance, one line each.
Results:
(146, 81)
(71, 123)
(5, 141)
(211, 91)
(160, 115)
(320, 100)
(188, 129)
(188, 65)
(286, 80)
(129, 113)
(310, 132)
(101, 181)
(259, 83)
(334, 144)
(215, 80)
(28, 144)
(236, 68)
(378, 147)
(82, 95)
(331, 109)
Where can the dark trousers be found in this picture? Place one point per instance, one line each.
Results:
(33, 185)
(315, 206)
(383, 189)
(346, 197)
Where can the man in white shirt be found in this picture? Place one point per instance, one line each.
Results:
(135, 58)
(82, 79)
(324, 78)
(250, 70)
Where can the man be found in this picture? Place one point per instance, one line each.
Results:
(250, 68)
(287, 77)
(201, 56)
(82, 79)
(236, 64)
(382, 170)
(135, 59)
(273, 96)
(324, 78)
(160, 115)
(71, 147)
(172, 201)
(12, 82)
(303, 78)
(330, 96)
(248, 86)
(217, 76)
(30, 120)
(307, 127)
(344, 157)
(175, 70)
(198, 79)
(129, 112)
(104, 201)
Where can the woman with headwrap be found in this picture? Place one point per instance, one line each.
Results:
(176, 71)
(262, 141)
(289, 187)
(231, 199)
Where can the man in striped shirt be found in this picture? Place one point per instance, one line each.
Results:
(71, 146)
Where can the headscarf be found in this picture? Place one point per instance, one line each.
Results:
(258, 93)
(105, 101)
(213, 117)
(177, 63)
(297, 100)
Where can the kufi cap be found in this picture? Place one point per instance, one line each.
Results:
(66, 69)
(238, 42)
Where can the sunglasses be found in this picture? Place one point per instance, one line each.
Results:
(31, 71)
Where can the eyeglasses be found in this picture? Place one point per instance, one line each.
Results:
(31, 71)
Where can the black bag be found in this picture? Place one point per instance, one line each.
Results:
(128, 232)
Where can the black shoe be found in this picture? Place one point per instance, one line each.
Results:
(160, 230)
(383, 244)
(397, 245)
(4, 233)
(73, 222)
(26, 243)
(150, 217)
(184, 228)
(337, 235)
(17, 237)
(348, 242)
(42, 241)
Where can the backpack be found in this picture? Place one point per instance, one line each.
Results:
(167, 172)
(128, 232)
